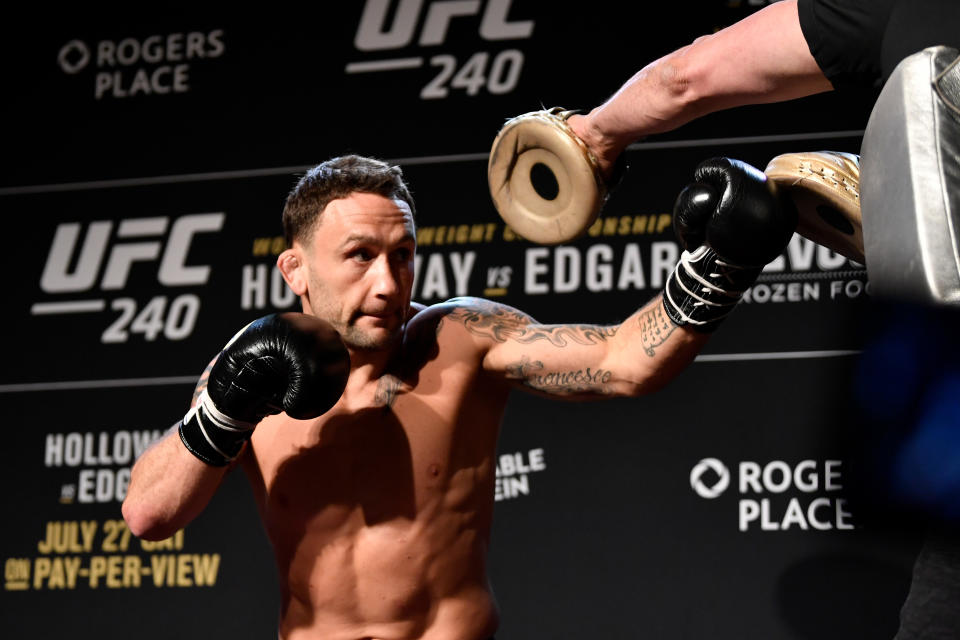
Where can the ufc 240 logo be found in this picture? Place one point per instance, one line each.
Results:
(491, 71)
(74, 266)
(374, 34)
(131, 246)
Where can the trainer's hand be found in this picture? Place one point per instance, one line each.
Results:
(731, 223)
(605, 150)
(282, 362)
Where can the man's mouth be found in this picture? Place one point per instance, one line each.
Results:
(379, 315)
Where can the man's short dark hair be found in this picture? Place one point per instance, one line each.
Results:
(334, 179)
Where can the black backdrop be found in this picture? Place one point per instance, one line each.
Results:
(146, 161)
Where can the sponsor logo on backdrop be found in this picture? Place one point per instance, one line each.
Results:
(152, 66)
(778, 496)
(89, 265)
(514, 471)
(78, 553)
(395, 36)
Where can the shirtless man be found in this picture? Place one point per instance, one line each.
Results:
(379, 510)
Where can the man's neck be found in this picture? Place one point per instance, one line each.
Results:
(367, 365)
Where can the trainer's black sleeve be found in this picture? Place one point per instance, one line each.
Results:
(845, 37)
(858, 43)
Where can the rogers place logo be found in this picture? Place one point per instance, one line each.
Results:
(778, 496)
(73, 57)
(705, 467)
(154, 65)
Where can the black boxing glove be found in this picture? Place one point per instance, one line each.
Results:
(731, 223)
(282, 362)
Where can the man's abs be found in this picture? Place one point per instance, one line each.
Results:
(387, 582)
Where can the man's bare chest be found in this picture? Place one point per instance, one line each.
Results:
(403, 433)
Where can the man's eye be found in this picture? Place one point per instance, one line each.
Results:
(362, 255)
(403, 255)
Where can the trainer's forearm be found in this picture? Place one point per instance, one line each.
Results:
(656, 99)
(763, 58)
(169, 487)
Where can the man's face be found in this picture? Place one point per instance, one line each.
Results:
(359, 268)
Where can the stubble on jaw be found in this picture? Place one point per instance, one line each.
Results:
(353, 336)
(359, 340)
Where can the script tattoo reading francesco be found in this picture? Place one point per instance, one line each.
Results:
(532, 373)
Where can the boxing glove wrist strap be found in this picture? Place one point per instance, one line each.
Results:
(212, 436)
(704, 288)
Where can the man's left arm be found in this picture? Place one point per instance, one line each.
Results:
(580, 361)
(730, 221)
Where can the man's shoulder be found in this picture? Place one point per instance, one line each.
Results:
(438, 329)
(455, 304)
(484, 320)
(479, 316)
(427, 323)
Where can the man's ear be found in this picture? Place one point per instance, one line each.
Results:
(292, 266)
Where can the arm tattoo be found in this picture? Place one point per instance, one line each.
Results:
(531, 373)
(502, 323)
(202, 383)
(523, 369)
(655, 328)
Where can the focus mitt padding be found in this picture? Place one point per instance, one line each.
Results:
(542, 141)
(824, 186)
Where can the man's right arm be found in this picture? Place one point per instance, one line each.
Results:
(288, 362)
(169, 486)
(762, 58)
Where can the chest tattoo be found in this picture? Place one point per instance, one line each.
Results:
(388, 388)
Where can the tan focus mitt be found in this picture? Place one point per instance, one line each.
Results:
(825, 187)
(528, 149)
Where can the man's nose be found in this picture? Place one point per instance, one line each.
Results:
(386, 280)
